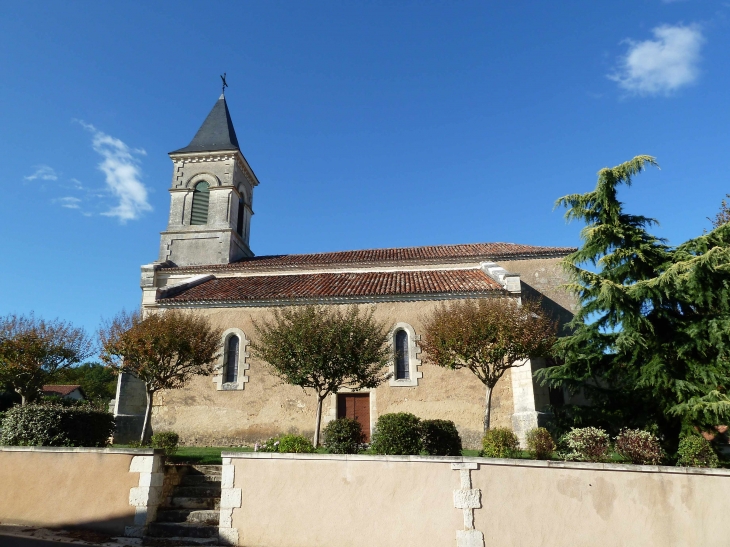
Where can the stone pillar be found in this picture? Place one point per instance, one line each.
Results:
(525, 416)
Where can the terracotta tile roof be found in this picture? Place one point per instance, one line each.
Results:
(429, 254)
(335, 285)
(61, 390)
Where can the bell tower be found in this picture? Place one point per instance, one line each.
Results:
(211, 197)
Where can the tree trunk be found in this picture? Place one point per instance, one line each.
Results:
(315, 441)
(488, 409)
(147, 415)
(23, 400)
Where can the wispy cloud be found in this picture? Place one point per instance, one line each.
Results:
(42, 172)
(662, 65)
(69, 202)
(120, 165)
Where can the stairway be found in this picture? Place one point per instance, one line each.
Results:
(190, 515)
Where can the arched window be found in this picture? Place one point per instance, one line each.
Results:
(239, 224)
(201, 197)
(231, 372)
(402, 363)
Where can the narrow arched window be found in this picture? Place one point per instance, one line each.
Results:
(402, 367)
(239, 225)
(201, 197)
(232, 359)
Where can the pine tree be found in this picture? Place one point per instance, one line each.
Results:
(650, 343)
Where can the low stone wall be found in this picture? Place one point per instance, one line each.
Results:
(313, 500)
(107, 489)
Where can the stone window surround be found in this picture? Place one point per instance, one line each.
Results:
(413, 360)
(243, 363)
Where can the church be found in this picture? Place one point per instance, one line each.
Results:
(205, 265)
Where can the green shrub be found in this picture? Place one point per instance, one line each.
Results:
(440, 438)
(540, 443)
(696, 451)
(269, 445)
(586, 444)
(638, 446)
(295, 444)
(56, 425)
(342, 436)
(397, 434)
(167, 440)
(500, 442)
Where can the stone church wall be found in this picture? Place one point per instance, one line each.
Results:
(204, 415)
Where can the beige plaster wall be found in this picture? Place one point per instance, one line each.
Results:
(324, 500)
(545, 275)
(203, 415)
(335, 502)
(56, 488)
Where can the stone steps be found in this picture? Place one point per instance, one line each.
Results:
(191, 513)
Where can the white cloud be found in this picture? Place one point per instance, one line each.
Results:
(69, 202)
(121, 167)
(42, 172)
(661, 65)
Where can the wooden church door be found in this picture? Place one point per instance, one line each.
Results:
(355, 406)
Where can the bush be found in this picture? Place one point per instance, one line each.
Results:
(638, 446)
(397, 434)
(695, 451)
(440, 438)
(295, 444)
(342, 436)
(56, 425)
(269, 445)
(587, 444)
(167, 440)
(500, 442)
(540, 443)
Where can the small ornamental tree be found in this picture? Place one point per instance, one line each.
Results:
(488, 337)
(723, 215)
(33, 351)
(164, 350)
(324, 349)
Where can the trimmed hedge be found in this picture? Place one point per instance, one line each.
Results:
(56, 425)
(342, 436)
(540, 443)
(397, 434)
(500, 442)
(166, 440)
(440, 438)
(695, 451)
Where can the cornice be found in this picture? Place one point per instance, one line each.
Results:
(223, 155)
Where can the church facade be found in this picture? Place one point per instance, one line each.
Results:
(205, 265)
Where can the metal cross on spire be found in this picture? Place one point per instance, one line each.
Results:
(225, 85)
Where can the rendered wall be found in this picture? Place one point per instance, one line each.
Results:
(362, 501)
(202, 415)
(98, 489)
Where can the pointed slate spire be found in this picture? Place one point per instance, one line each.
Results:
(216, 133)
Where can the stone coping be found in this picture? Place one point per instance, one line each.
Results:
(133, 451)
(550, 464)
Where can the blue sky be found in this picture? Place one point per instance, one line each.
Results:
(369, 124)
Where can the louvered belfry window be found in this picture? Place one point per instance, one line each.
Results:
(239, 225)
(201, 197)
(232, 359)
(401, 356)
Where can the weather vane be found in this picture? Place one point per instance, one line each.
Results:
(225, 85)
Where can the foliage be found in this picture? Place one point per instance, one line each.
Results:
(96, 380)
(324, 349)
(342, 436)
(540, 443)
(440, 438)
(397, 434)
(269, 445)
(638, 446)
(586, 444)
(33, 351)
(488, 337)
(723, 215)
(650, 344)
(500, 442)
(164, 350)
(166, 440)
(56, 425)
(696, 451)
(296, 444)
